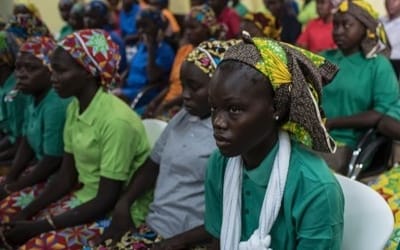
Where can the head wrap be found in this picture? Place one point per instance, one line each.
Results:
(266, 23)
(30, 6)
(376, 40)
(41, 47)
(205, 15)
(26, 25)
(296, 76)
(96, 52)
(9, 47)
(209, 54)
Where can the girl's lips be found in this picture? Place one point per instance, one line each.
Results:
(221, 140)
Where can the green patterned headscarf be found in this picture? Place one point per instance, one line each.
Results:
(297, 77)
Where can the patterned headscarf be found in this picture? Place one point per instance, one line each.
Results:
(9, 47)
(26, 25)
(376, 40)
(296, 76)
(41, 47)
(96, 52)
(205, 15)
(30, 6)
(266, 23)
(209, 54)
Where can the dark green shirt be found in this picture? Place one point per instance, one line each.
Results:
(360, 85)
(12, 112)
(311, 215)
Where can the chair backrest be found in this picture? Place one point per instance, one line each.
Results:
(154, 128)
(368, 219)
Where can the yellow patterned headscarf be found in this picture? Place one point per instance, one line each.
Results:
(297, 77)
(266, 23)
(376, 40)
(209, 54)
(30, 6)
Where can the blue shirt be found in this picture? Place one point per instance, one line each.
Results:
(137, 77)
(127, 21)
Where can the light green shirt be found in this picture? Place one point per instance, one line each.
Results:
(107, 140)
(308, 13)
(360, 85)
(12, 113)
(311, 214)
(44, 124)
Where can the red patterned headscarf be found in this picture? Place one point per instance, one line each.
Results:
(40, 47)
(96, 52)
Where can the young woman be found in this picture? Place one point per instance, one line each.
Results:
(176, 168)
(264, 188)
(366, 85)
(200, 25)
(104, 143)
(42, 132)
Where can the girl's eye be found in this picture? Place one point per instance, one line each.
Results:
(235, 109)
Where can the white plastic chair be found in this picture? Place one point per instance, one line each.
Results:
(154, 128)
(368, 219)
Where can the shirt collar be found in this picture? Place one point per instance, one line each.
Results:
(260, 175)
(89, 115)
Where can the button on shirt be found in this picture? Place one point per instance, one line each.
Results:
(107, 140)
(44, 124)
(182, 153)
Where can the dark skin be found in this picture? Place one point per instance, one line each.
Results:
(64, 6)
(21, 9)
(277, 7)
(250, 27)
(93, 18)
(242, 115)
(389, 127)
(70, 79)
(324, 10)
(33, 78)
(195, 96)
(218, 5)
(197, 2)
(348, 34)
(195, 33)
(76, 20)
(393, 8)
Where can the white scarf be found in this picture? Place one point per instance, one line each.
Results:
(232, 201)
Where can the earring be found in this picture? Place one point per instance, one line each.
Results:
(276, 118)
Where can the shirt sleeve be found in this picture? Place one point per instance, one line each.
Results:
(386, 89)
(319, 218)
(213, 195)
(54, 120)
(119, 143)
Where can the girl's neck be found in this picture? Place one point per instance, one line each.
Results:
(255, 156)
(38, 97)
(86, 96)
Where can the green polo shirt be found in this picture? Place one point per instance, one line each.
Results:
(107, 140)
(12, 113)
(394, 111)
(360, 85)
(44, 124)
(311, 215)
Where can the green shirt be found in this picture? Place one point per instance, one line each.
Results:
(65, 31)
(311, 215)
(107, 140)
(360, 85)
(394, 111)
(308, 12)
(44, 124)
(12, 113)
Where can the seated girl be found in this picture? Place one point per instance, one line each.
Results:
(176, 168)
(104, 143)
(366, 85)
(264, 188)
(151, 65)
(42, 132)
(200, 25)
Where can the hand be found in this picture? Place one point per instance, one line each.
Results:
(21, 231)
(120, 224)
